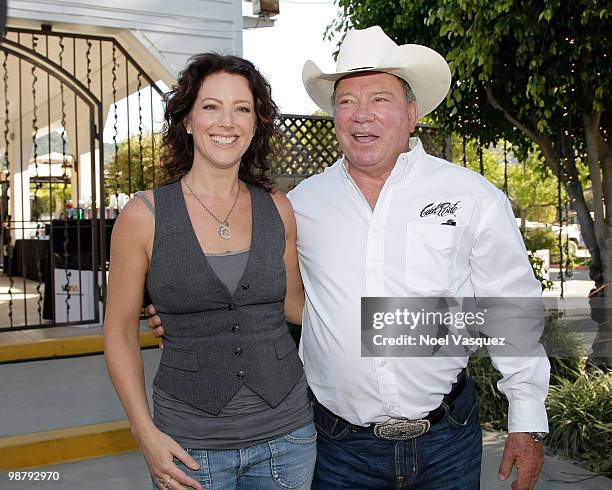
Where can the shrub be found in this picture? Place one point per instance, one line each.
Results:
(493, 405)
(540, 239)
(566, 348)
(580, 419)
(539, 270)
(546, 239)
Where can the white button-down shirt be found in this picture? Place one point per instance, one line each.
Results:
(348, 250)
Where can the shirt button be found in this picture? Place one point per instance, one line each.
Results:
(241, 374)
(245, 286)
(235, 328)
(238, 351)
(231, 306)
(383, 363)
(391, 407)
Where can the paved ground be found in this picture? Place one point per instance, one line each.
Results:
(25, 301)
(578, 286)
(557, 474)
(45, 395)
(128, 472)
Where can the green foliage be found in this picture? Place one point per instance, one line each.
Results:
(492, 159)
(540, 239)
(542, 66)
(493, 405)
(539, 271)
(579, 402)
(558, 337)
(531, 188)
(565, 346)
(546, 239)
(580, 418)
(579, 409)
(144, 170)
(49, 200)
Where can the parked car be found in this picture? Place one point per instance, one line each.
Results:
(571, 232)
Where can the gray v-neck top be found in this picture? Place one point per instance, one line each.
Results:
(246, 420)
(229, 267)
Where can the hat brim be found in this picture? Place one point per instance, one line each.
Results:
(425, 70)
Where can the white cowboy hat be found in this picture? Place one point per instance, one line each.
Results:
(425, 70)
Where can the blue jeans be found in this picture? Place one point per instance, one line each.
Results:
(447, 457)
(286, 462)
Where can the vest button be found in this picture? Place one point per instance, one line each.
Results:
(241, 374)
(238, 351)
(235, 328)
(245, 286)
(231, 306)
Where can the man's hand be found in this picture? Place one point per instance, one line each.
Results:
(154, 322)
(527, 455)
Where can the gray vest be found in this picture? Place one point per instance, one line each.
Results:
(216, 341)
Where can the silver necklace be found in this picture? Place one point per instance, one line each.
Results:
(224, 229)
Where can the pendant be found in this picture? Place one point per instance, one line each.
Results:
(224, 231)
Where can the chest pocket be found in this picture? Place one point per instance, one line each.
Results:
(431, 253)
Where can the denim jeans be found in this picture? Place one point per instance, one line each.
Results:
(286, 462)
(447, 457)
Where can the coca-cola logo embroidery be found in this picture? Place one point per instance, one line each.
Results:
(441, 209)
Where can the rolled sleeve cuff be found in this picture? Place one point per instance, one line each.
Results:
(527, 416)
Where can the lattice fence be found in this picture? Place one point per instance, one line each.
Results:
(309, 144)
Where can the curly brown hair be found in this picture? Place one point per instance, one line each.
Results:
(177, 149)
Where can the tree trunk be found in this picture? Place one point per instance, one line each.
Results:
(600, 159)
(595, 234)
(601, 311)
(591, 127)
(604, 152)
(448, 147)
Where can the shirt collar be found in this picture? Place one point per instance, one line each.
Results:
(403, 166)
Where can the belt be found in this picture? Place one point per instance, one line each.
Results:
(403, 429)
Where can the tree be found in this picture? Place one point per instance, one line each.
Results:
(533, 188)
(531, 72)
(527, 183)
(144, 170)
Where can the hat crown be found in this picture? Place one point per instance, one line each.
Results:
(368, 50)
(364, 48)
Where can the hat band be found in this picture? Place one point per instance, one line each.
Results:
(362, 68)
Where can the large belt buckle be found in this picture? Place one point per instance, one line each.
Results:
(401, 429)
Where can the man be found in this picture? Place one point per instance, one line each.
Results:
(370, 226)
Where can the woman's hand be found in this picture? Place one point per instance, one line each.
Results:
(159, 450)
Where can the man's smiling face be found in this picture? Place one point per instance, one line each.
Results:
(373, 120)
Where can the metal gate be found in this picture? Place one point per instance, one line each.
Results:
(60, 187)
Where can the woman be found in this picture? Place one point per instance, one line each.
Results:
(216, 250)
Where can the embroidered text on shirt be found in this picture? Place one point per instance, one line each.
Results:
(441, 209)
